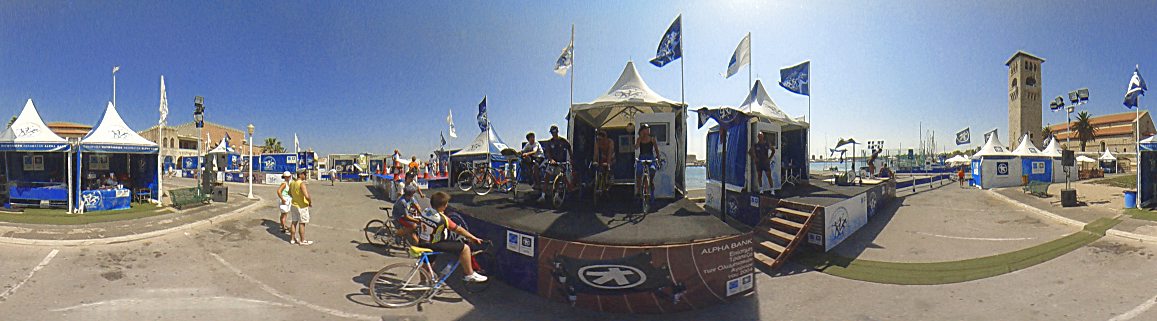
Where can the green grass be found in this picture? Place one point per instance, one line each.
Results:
(955, 271)
(1125, 181)
(61, 217)
(1141, 214)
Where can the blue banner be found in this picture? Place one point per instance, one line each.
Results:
(963, 137)
(277, 163)
(1136, 88)
(671, 46)
(796, 78)
(305, 160)
(483, 120)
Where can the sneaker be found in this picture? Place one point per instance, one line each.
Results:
(292, 241)
(475, 278)
(541, 198)
(306, 242)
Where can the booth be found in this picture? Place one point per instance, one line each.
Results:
(757, 114)
(1053, 151)
(995, 166)
(1034, 166)
(36, 163)
(346, 167)
(116, 165)
(620, 112)
(226, 161)
(486, 143)
(1108, 162)
(1147, 173)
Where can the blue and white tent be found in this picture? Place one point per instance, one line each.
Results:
(112, 135)
(112, 148)
(37, 161)
(1037, 166)
(1053, 150)
(995, 166)
(28, 133)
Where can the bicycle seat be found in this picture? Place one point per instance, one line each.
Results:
(418, 251)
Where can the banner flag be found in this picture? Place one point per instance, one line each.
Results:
(450, 120)
(963, 137)
(483, 121)
(164, 103)
(741, 57)
(565, 60)
(795, 78)
(671, 46)
(1136, 88)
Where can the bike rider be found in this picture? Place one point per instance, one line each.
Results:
(532, 158)
(406, 210)
(558, 150)
(604, 151)
(647, 151)
(431, 233)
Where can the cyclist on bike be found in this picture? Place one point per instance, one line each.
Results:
(431, 233)
(531, 155)
(604, 150)
(647, 151)
(558, 150)
(406, 210)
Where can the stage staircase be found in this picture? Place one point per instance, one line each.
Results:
(782, 232)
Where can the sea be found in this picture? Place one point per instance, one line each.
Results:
(697, 175)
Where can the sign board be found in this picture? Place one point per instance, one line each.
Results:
(1002, 168)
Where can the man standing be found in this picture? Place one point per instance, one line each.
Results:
(761, 154)
(301, 202)
(604, 154)
(558, 151)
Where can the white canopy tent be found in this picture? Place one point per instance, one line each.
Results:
(1053, 150)
(957, 160)
(481, 146)
(1037, 166)
(28, 134)
(112, 136)
(628, 96)
(1085, 159)
(995, 166)
(1107, 157)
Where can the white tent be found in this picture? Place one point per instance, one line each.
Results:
(479, 146)
(629, 95)
(29, 133)
(1037, 166)
(1085, 159)
(759, 104)
(223, 148)
(1053, 150)
(1107, 157)
(112, 135)
(995, 166)
(957, 160)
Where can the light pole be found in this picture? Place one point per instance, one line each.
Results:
(250, 128)
(199, 119)
(1076, 98)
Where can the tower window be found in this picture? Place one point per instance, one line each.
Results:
(1030, 81)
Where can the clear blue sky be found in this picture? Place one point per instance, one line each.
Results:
(352, 76)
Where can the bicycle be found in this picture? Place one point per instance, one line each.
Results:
(384, 233)
(505, 178)
(602, 181)
(406, 284)
(558, 184)
(472, 177)
(648, 191)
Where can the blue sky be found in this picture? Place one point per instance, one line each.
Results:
(352, 76)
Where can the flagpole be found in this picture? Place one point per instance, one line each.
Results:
(749, 63)
(571, 69)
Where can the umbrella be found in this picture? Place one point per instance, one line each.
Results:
(1085, 159)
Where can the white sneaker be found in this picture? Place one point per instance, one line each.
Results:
(306, 242)
(475, 278)
(292, 241)
(541, 197)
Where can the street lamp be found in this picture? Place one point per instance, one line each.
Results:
(1076, 98)
(250, 128)
(199, 119)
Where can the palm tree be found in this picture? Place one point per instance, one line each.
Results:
(1046, 133)
(1084, 128)
(10, 121)
(273, 145)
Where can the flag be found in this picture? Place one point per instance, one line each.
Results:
(164, 103)
(671, 46)
(443, 137)
(296, 144)
(483, 121)
(741, 57)
(1136, 88)
(989, 134)
(450, 120)
(963, 137)
(562, 65)
(115, 69)
(795, 78)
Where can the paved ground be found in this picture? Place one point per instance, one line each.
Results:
(243, 269)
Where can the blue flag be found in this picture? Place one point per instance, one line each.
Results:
(963, 137)
(1136, 88)
(795, 78)
(443, 137)
(671, 46)
(483, 121)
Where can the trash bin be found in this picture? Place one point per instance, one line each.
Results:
(1130, 199)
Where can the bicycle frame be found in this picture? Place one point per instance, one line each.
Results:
(424, 261)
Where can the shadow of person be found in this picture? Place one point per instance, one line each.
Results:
(274, 228)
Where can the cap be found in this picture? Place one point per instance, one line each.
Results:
(286, 173)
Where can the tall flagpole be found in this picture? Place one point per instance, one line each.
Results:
(571, 68)
(749, 58)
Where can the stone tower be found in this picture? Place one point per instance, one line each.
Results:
(1024, 98)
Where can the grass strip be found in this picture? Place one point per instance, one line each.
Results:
(1141, 214)
(955, 271)
(1124, 181)
(61, 217)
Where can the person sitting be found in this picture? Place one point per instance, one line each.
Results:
(110, 181)
(886, 172)
(431, 230)
(406, 210)
(531, 156)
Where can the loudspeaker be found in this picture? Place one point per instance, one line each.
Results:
(1068, 197)
(1068, 158)
(221, 194)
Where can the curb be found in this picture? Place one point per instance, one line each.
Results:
(1132, 236)
(134, 237)
(1050, 215)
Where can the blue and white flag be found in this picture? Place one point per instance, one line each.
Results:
(450, 120)
(795, 78)
(989, 134)
(671, 46)
(443, 137)
(741, 57)
(1136, 88)
(563, 64)
(963, 137)
(483, 121)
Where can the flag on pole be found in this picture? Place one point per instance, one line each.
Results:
(989, 134)
(1136, 88)
(483, 121)
(741, 57)
(450, 120)
(963, 137)
(671, 46)
(115, 69)
(443, 137)
(164, 103)
(296, 144)
(795, 78)
(562, 65)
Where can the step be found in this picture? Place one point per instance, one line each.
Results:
(774, 233)
(786, 222)
(798, 213)
(764, 259)
(774, 247)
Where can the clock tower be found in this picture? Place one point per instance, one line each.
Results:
(1024, 98)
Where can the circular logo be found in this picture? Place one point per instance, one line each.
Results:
(839, 222)
(611, 276)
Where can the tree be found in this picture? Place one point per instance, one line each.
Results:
(1084, 128)
(273, 145)
(1046, 133)
(12, 120)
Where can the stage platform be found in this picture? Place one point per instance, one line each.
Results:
(613, 222)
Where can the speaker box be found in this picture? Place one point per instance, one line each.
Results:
(1068, 197)
(1068, 158)
(220, 194)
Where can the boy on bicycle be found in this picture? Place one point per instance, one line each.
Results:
(406, 210)
(604, 151)
(431, 232)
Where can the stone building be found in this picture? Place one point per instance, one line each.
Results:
(1024, 98)
(1113, 133)
(181, 140)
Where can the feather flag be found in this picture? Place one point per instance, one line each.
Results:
(741, 57)
(450, 120)
(164, 103)
(671, 46)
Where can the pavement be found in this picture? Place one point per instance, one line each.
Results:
(241, 267)
(1096, 201)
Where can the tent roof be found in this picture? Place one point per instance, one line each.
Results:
(29, 133)
(629, 95)
(478, 146)
(1149, 143)
(1052, 149)
(759, 104)
(1026, 148)
(957, 159)
(992, 147)
(1085, 159)
(223, 147)
(1107, 157)
(112, 135)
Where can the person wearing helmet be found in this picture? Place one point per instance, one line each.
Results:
(406, 210)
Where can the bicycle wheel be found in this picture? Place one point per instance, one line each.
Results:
(646, 194)
(485, 184)
(466, 181)
(401, 285)
(486, 264)
(376, 232)
(559, 191)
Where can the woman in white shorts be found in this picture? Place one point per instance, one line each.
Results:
(283, 195)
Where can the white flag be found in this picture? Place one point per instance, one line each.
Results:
(741, 57)
(115, 69)
(564, 60)
(164, 103)
(296, 145)
(450, 120)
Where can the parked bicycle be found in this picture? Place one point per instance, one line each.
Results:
(557, 185)
(648, 190)
(384, 233)
(602, 182)
(473, 176)
(405, 284)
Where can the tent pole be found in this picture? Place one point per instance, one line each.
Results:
(68, 164)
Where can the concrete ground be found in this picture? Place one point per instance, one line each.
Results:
(242, 268)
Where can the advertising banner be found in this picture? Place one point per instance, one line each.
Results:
(277, 163)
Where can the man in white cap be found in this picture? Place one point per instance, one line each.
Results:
(283, 196)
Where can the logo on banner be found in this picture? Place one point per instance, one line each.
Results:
(269, 162)
(872, 199)
(839, 223)
(91, 200)
(611, 277)
(27, 131)
(1002, 168)
(119, 134)
(628, 93)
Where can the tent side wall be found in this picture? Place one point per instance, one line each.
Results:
(1038, 169)
(1000, 171)
(1147, 186)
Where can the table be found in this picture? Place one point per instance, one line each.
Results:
(106, 199)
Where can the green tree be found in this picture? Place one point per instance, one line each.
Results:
(273, 145)
(1046, 133)
(1084, 128)
(12, 120)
